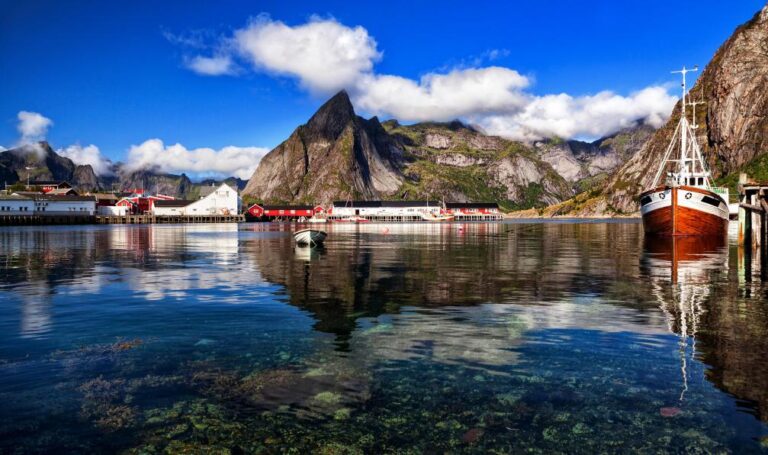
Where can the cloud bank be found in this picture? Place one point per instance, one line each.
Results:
(324, 56)
(205, 162)
(88, 155)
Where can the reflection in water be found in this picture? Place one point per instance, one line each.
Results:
(689, 263)
(430, 337)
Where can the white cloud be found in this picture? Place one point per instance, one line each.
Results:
(326, 56)
(323, 54)
(212, 66)
(228, 161)
(586, 116)
(88, 155)
(460, 93)
(32, 126)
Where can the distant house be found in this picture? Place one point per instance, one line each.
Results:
(62, 192)
(223, 201)
(139, 204)
(48, 185)
(384, 209)
(271, 212)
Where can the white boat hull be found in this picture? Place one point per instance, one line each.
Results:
(309, 237)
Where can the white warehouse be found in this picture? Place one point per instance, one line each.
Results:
(222, 201)
(46, 204)
(16, 205)
(64, 205)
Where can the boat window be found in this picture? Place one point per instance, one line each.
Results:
(711, 201)
(701, 180)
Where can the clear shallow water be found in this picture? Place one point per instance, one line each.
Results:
(548, 337)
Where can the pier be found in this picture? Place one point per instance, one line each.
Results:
(753, 224)
(42, 220)
(167, 219)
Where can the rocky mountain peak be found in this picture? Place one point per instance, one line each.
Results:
(330, 120)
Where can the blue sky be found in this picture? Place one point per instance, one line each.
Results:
(115, 74)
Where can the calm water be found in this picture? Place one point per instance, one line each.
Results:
(547, 337)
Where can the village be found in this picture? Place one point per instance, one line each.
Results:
(54, 202)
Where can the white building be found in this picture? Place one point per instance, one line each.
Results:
(64, 205)
(223, 201)
(16, 205)
(385, 209)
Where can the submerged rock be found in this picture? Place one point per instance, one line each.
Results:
(670, 411)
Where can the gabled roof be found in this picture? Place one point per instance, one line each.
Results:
(62, 192)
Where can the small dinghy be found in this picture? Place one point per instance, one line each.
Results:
(309, 237)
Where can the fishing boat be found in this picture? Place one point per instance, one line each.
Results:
(316, 220)
(310, 237)
(686, 203)
(352, 219)
(436, 218)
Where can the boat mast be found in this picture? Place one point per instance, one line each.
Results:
(683, 162)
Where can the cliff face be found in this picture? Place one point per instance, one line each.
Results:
(733, 124)
(588, 163)
(179, 186)
(336, 155)
(455, 162)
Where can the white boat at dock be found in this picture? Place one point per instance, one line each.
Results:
(310, 237)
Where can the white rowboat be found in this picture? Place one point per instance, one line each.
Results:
(309, 237)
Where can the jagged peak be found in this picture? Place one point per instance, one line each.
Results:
(333, 116)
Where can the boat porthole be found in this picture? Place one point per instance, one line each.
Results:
(688, 195)
(662, 195)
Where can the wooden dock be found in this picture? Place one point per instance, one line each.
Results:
(43, 220)
(168, 219)
(753, 224)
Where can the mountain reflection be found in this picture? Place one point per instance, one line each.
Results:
(455, 293)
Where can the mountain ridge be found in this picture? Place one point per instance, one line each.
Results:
(338, 155)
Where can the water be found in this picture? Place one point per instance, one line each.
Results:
(545, 337)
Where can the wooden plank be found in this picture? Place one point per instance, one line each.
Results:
(753, 208)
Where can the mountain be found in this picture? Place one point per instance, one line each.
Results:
(43, 163)
(733, 125)
(338, 155)
(39, 162)
(589, 164)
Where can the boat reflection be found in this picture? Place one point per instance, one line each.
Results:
(681, 272)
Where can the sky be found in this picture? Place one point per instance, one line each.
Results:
(208, 88)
